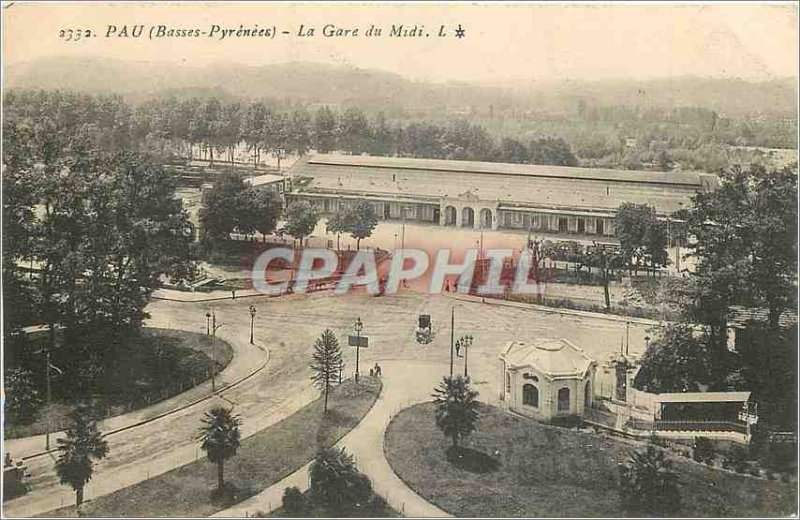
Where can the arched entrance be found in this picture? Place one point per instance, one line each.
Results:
(563, 400)
(467, 217)
(449, 216)
(486, 218)
(587, 395)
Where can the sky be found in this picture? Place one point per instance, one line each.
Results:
(502, 43)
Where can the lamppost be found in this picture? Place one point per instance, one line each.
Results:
(252, 320)
(358, 326)
(208, 324)
(465, 342)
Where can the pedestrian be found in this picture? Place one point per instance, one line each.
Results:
(458, 350)
(371, 372)
(233, 294)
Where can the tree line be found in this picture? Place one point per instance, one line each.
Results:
(214, 129)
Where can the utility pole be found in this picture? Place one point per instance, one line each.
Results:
(358, 328)
(214, 328)
(403, 230)
(452, 336)
(627, 336)
(47, 422)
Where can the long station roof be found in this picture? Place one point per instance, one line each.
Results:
(511, 184)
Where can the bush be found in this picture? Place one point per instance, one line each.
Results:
(736, 459)
(702, 450)
(293, 502)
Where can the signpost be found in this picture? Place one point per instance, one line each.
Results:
(358, 341)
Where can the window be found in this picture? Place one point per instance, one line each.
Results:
(581, 225)
(530, 395)
(563, 399)
(599, 226)
(508, 383)
(563, 225)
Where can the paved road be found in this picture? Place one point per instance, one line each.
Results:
(288, 327)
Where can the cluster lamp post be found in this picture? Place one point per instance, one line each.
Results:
(465, 342)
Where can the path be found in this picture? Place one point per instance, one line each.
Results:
(290, 325)
(247, 361)
(404, 384)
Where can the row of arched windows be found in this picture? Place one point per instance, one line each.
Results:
(530, 397)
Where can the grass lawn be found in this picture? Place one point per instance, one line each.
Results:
(549, 471)
(157, 365)
(263, 459)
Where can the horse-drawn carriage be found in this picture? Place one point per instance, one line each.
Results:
(424, 331)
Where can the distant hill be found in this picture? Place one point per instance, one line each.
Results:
(373, 89)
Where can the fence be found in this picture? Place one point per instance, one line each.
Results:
(700, 426)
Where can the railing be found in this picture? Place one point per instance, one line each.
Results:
(705, 426)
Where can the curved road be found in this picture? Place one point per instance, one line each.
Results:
(288, 327)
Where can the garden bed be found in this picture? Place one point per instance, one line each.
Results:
(161, 364)
(549, 471)
(262, 460)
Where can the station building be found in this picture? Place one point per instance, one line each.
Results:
(546, 199)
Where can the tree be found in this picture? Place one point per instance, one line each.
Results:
(549, 150)
(676, 361)
(640, 235)
(301, 219)
(299, 139)
(221, 439)
(293, 502)
(746, 250)
(325, 130)
(258, 211)
(82, 442)
(325, 363)
(607, 260)
(512, 151)
(338, 223)
(355, 135)
(22, 398)
(648, 484)
(336, 483)
(456, 408)
(362, 221)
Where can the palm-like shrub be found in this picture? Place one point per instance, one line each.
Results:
(456, 408)
(220, 438)
(82, 443)
(336, 483)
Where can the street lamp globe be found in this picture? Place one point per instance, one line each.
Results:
(358, 325)
(252, 310)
